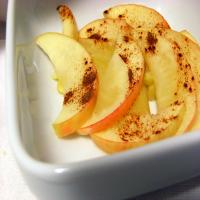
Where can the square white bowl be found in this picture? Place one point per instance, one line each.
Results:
(75, 168)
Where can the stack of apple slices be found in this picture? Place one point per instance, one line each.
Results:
(120, 76)
(110, 70)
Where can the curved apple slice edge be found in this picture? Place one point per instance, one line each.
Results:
(71, 125)
(122, 42)
(125, 11)
(114, 116)
(110, 141)
(67, 123)
(68, 21)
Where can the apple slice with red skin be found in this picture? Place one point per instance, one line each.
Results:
(77, 73)
(137, 130)
(120, 75)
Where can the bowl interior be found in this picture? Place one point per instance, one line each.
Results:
(39, 103)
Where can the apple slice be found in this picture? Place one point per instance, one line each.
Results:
(77, 73)
(69, 23)
(120, 67)
(137, 128)
(191, 51)
(69, 29)
(104, 30)
(137, 16)
(148, 78)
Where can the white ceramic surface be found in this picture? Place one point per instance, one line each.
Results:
(60, 169)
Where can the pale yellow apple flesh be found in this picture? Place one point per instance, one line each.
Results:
(69, 29)
(137, 16)
(148, 78)
(77, 73)
(149, 83)
(171, 73)
(191, 51)
(101, 52)
(68, 21)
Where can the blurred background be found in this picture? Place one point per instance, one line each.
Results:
(3, 5)
(3, 9)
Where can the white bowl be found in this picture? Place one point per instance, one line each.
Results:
(75, 168)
